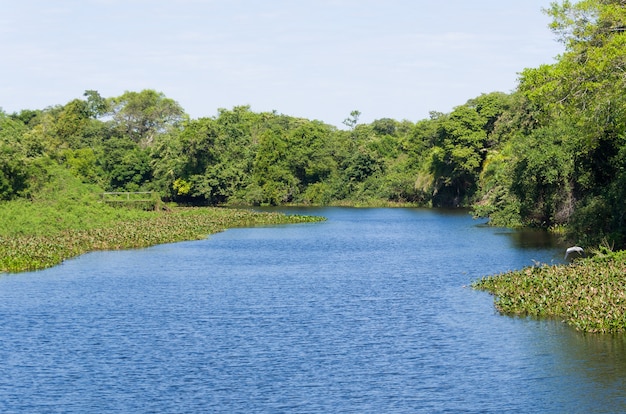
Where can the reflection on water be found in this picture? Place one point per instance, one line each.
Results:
(366, 312)
(534, 239)
(601, 358)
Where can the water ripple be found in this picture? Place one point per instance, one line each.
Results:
(363, 313)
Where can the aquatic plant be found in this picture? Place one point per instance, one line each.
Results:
(589, 294)
(38, 251)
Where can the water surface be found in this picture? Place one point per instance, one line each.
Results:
(366, 312)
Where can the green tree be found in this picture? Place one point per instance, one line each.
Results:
(72, 123)
(14, 169)
(83, 163)
(143, 115)
(456, 159)
(183, 157)
(588, 22)
(309, 157)
(352, 121)
(584, 90)
(273, 182)
(542, 172)
(97, 106)
(556, 154)
(127, 166)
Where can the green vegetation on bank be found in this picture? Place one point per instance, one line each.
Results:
(589, 294)
(38, 251)
(67, 219)
(562, 163)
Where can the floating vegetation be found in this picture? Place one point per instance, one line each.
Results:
(589, 294)
(33, 252)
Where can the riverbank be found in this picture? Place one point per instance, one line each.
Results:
(589, 294)
(34, 251)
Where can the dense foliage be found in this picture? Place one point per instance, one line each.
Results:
(552, 153)
(563, 155)
(588, 295)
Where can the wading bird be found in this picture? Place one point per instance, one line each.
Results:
(571, 250)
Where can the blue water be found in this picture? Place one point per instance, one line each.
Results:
(369, 311)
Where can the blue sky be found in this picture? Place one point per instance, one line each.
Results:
(318, 59)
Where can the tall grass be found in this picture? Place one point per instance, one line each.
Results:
(67, 218)
(61, 203)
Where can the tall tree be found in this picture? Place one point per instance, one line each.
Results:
(143, 115)
(14, 171)
(456, 158)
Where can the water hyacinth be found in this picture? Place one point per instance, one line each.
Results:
(589, 295)
(33, 252)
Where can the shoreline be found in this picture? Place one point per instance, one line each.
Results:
(588, 294)
(38, 252)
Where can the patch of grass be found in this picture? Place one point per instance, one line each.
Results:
(62, 203)
(589, 294)
(37, 251)
(66, 218)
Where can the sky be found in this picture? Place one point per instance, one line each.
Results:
(316, 59)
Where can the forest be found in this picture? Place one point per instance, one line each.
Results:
(550, 154)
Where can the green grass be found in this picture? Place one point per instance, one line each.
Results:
(62, 203)
(589, 294)
(66, 218)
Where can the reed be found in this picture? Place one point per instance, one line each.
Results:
(589, 294)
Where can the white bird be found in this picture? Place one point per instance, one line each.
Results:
(573, 249)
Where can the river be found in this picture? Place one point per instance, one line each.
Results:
(370, 311)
